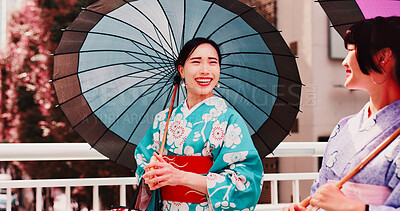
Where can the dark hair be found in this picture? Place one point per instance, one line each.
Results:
(372, 35)
(189, 48)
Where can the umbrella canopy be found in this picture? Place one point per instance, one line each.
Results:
(114, 69)
(344, 13)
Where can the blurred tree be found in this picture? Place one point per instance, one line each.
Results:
(27, 109)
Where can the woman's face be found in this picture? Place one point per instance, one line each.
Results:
(355, 79)
(201, 72)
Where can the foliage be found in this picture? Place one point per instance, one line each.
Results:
(28, 101)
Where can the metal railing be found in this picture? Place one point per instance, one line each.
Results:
(82, 151)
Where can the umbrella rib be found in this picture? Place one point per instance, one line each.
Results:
(154, 25)
(151, 59)
(152, 46)
(343, 24)
(110, 101)
(111, 80)
(168, 97)
(103, 50)
(116, 36)
(142, 32)
(148, 63)
(263, 53)
(255, 105)
(184, 23)
(163, 60)
(245, 119)
(169, 25)
(254, 85)
(154, 70)
(103, 66)
(227, 22)
(203, 18)
(259, 70)
(144, 114)
(126, 142)
(248, 35)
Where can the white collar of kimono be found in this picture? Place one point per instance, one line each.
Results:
(368, 122)
(185, 109)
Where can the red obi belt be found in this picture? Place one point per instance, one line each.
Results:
(180, 193)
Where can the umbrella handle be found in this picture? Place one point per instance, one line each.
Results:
(168, 118)
(153, 158)
(356, 169)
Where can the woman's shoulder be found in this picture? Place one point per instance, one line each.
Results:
(161, 116)
(360, 115)
(346, 119)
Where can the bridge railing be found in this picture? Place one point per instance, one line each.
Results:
(82, 151)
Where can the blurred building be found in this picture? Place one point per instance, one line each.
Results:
(7, 7)
(324, 101)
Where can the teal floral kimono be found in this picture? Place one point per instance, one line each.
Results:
(209, 129)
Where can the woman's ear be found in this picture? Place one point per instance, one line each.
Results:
(384, 55)
(180, 69)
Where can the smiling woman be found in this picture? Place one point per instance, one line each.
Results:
(372, 65)
(200, 69)
(209, 161)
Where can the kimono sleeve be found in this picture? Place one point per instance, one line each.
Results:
(393, 182)
(322, 176)
(324, 173)
(149, 144)
(234, 180)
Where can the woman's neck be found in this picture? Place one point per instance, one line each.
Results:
(381, 96)
(191, 101)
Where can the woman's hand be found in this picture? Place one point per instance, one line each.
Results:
(331, 198)
(160, 173)
(294, 207)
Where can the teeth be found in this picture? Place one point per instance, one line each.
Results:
(203, 80)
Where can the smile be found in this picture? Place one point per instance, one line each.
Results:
(348, 73)
(203, 81)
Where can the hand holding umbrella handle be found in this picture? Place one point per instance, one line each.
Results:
(153, 158)
(361, 165)
(306, 201)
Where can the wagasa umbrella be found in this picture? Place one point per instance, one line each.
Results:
(344, 13)
(114, 69)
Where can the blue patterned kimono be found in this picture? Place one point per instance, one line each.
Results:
(352, 140)
(209, 129)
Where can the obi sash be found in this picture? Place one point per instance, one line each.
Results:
(369, 194)
(194, 164)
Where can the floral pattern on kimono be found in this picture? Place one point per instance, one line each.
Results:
(210, 128)
(352, 140)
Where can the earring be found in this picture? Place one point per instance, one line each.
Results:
(218, 86)
(379, 82)
(183, 83)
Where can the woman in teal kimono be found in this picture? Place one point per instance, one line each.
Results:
(202, 125)
(372, 64)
